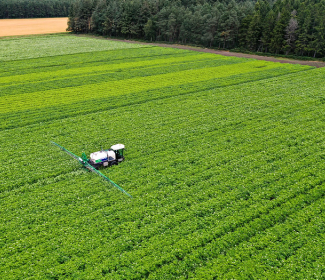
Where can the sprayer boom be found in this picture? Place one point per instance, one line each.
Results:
(85, 163)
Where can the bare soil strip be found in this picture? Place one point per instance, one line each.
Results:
(316, 64)
(15, 27)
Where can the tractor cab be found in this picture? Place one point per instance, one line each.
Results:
(119, 151)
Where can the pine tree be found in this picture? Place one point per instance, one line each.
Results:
(254, 31)
(268, 27)
(317, 43)
(149, 30)
(243, 30)
(279, 31)
(291, 33)
(304, 34)
(98, 18)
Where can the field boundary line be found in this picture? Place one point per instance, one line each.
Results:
(317, 64)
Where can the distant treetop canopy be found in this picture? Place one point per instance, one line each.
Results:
(289, 27)
(34, 8)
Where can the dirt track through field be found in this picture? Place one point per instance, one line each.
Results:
(316, 64)
(15, 27)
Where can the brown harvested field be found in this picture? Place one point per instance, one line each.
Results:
(14, 27)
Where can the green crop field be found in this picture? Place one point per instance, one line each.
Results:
(224, 160)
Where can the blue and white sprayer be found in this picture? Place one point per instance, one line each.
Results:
(105, 158)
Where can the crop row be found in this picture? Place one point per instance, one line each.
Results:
(104, 68)
(119, 74)
(275, 245)
(168, 210)
(159, 139)
(59, 112)
(221, 97)
(266, 241)
(224, 163)
(122, 244)
(10, 120)
(44, 216)
(20, 102)
(67, 133)
(38, 46)
(61, 62)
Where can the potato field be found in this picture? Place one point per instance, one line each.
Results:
(225, 160)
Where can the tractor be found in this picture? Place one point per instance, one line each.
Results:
(105, 158)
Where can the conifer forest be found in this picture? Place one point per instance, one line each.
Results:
(289, 27)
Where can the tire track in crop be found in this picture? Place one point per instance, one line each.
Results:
(207, 241)
(265, 241)
(21, 102)
(232, 54)
(63, 61)
(94, 77)
(211, 134)
(308, 260)
(207, 134)
(10, 121)
(215, 244)
(55, 74)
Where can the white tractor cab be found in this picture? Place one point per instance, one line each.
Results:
(112, 156)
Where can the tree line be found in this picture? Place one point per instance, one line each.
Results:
(282, 27)
(285, 27)
(34, 8)
(209, 23)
